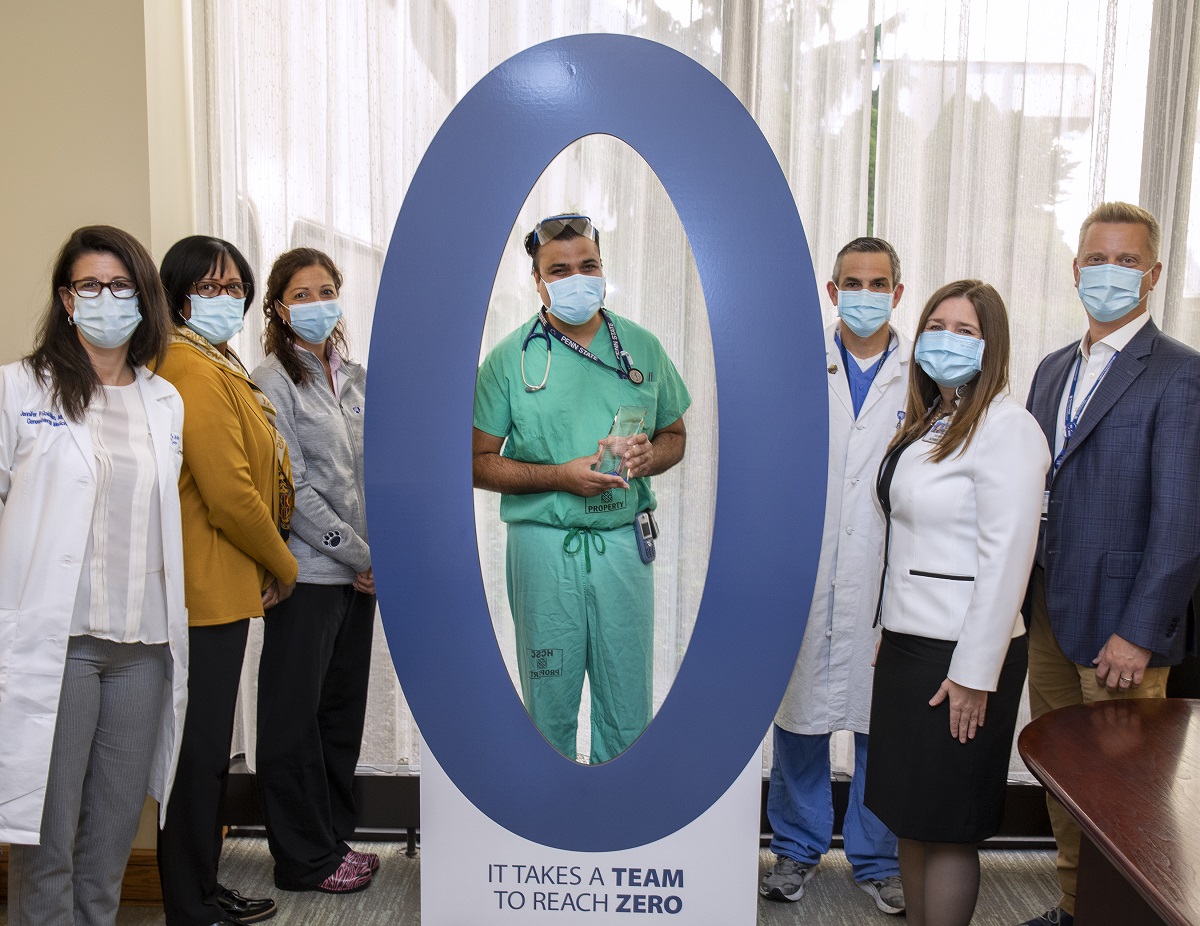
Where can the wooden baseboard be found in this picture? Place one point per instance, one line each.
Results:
(140, 888)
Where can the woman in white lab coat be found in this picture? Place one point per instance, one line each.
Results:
(93, 630)
(961, 486)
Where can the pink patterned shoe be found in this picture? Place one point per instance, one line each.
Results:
(366, 861)
(346, 880)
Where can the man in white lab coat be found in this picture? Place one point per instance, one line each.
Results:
(830, 689)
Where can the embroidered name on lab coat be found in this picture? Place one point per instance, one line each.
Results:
(53, 419)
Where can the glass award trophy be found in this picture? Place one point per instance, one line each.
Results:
(627, 422)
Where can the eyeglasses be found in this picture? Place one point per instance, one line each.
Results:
(90, 289)
(550, 228)
(210, 289)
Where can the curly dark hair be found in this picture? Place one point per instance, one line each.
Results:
(278, 338)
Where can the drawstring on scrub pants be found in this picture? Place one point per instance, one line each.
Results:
(578, 537)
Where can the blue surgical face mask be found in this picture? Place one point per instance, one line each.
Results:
(863, 311)
(106, 321)
(577, 298)
(217, 319)
(950, 359)
(1108, 291)
(315, 321)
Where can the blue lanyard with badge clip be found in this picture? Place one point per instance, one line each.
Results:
(1071, 422)
(630, 372)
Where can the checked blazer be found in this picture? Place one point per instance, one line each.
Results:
(1121, 542)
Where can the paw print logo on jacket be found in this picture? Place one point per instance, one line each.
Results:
(332, 538)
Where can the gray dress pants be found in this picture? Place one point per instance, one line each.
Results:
(104, 740)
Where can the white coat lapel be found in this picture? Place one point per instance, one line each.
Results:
(891, 370)
(839, 380)
(158, 414)
(83, 436)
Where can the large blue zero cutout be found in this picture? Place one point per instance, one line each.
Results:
(763, 308)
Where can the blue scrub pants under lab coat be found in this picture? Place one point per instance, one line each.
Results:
(800, 807)
(570, 620)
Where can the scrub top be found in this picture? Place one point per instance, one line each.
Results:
(565, 420)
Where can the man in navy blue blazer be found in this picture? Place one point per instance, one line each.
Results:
(1118, 554)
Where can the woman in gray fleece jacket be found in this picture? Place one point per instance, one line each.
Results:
(312, 681)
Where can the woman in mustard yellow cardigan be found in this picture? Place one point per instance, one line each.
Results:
(236, 498)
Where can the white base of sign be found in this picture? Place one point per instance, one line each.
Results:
(476, 873)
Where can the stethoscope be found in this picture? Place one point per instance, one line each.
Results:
(542, 329)
(536, 332)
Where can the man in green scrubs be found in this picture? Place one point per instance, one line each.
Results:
(582, 598)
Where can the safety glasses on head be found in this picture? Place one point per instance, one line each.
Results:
(550, 228)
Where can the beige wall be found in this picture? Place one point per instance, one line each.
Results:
(85, 141)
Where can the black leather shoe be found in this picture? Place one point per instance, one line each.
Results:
(244, 909)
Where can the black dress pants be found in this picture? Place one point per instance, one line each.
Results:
(312, 698)
(189, 844)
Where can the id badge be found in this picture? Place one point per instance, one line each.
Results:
(937, 431)
(1045, 504)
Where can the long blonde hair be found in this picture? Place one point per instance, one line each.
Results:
(977, 395)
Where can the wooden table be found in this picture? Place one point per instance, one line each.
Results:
(1129, 773)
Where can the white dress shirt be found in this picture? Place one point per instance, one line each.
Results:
(1095, 364)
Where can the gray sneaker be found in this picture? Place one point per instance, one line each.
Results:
(786, 880)
(888, 893)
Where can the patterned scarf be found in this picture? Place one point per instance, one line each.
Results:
(283, 465)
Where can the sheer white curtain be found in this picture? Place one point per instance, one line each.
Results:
(1000, 124)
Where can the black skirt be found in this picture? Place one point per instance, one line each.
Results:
(921, 782)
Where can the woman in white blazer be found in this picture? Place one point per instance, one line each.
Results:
(961, 487)
(93, 630)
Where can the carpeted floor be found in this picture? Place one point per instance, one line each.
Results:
(1016, 885)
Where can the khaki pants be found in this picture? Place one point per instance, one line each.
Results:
(1055, 681)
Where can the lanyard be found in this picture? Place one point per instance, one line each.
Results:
(857, 379)
(1071, 422)
(630, 372)
(870, 374)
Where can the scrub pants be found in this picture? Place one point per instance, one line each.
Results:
(800, 807)
(583, 601)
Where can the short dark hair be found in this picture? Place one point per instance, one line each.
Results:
(868, 246)
(532, 247)
(195, 257)
(58, 359)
